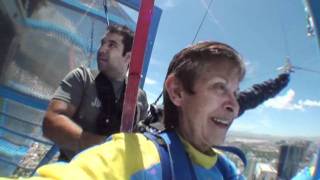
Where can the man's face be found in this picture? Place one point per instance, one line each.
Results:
(206, 116)
(111, 60)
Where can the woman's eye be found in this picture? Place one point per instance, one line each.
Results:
(220, 88)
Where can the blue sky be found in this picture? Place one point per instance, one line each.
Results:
(264, 32)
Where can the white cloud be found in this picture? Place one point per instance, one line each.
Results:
(309, 103)
(286, 102)
(247, 63)
(249, 67)
(150, 81)
(282, 102)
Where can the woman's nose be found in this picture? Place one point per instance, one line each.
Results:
(232, 104)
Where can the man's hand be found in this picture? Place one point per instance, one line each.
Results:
(88, 139)
(59, 128)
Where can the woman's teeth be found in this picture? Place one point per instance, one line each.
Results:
(221, 121)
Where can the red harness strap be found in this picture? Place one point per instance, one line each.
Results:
(138, 49)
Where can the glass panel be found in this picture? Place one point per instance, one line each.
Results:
(41, 41)
(51, 39)
(6, 169)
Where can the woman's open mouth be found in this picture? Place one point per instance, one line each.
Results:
(221, 122)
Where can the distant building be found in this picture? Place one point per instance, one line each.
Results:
(265, 171)
(249, 171)
(290, 158)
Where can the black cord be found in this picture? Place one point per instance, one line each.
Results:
(203, 18)
(155, 102)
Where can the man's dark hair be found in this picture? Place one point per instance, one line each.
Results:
(189, 64)
(126, 33)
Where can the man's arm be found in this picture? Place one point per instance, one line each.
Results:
(258, 93)
(59, 127)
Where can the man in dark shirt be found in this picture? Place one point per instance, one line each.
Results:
(87, 106)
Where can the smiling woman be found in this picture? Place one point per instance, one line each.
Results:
(200, 96)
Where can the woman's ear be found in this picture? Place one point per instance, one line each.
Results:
(174, 89)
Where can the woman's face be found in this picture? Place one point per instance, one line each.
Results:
(206, 115)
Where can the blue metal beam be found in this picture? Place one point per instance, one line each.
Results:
(95, 13)
(134, 4)
(313, 8)
(151, 39)
(18, 119)
(7, 130)
(22, 98)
